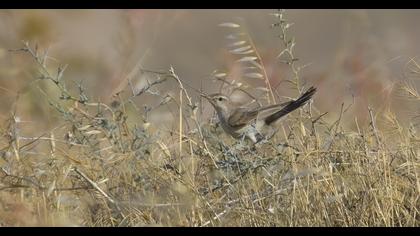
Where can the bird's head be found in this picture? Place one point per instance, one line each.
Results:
(218, 100)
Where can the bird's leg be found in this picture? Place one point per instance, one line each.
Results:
(243, 138)
(272, 133)
(241, 142)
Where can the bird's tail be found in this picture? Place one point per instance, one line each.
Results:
(293, 105)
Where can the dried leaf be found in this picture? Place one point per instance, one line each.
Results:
(84, 127)
(229, 25)
(93, 132)
(51, 188)
(220, 75)
(146, 125)
(249, 67)
(238, 43)
(245, 59)
(103, 181)
(256, 64)
(264, 89)
(254, 75)
(234, 36)
(302, 128)
(243, 53)
(241, 49)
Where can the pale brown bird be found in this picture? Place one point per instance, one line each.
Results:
(241, 122)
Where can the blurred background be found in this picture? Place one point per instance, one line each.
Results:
(346, 53)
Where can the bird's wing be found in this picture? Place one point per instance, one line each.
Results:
(241, 117)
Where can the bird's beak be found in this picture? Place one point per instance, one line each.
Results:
(205, 96)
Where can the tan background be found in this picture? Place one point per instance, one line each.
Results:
(348, 51)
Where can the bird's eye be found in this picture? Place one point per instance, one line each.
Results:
(220, 99)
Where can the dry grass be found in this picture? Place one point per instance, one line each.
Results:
(105, 165)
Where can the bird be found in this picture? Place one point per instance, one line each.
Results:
(243, 122)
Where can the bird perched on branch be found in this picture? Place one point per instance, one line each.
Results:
(241, 122)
